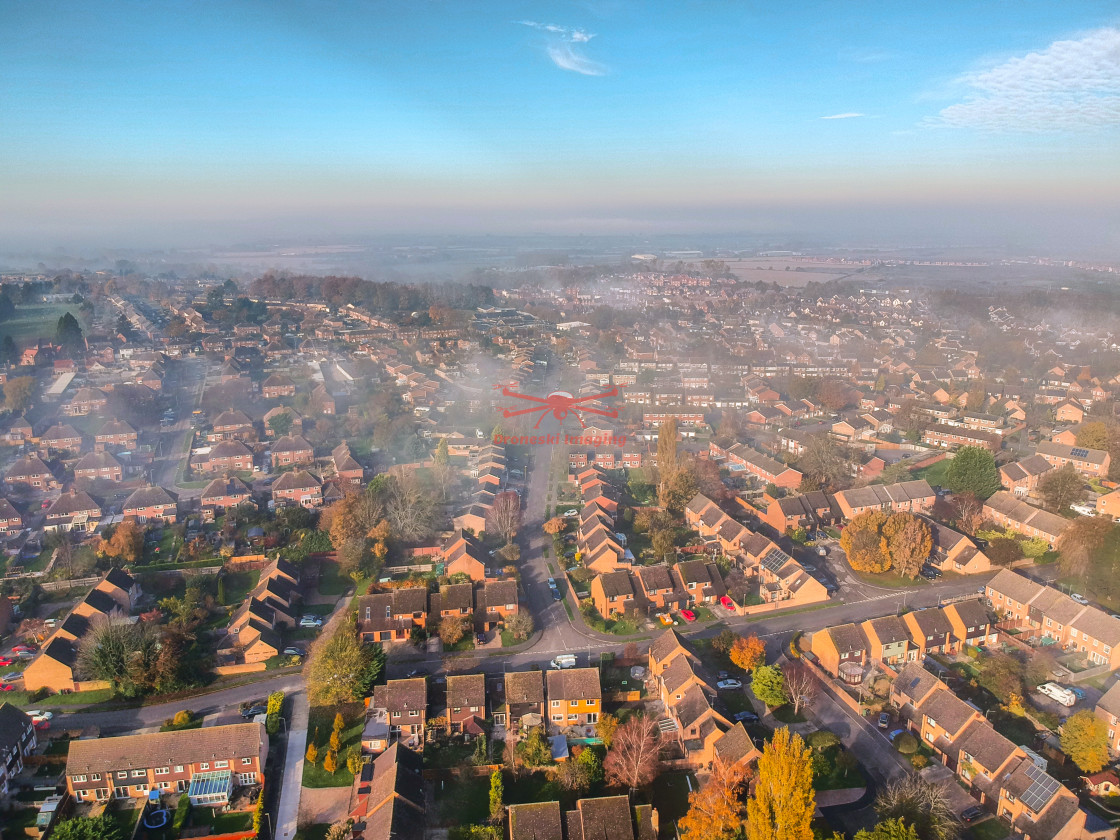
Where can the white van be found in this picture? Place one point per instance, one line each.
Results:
(1056, 692)
(564, 660)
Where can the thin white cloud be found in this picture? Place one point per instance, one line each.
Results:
(563, 48)
(847, 115)
(1070, 85)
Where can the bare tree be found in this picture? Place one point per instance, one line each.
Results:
(409, 507)
(969, 510)
(801, 685)
(922, 804)
(633, 761)
(505, 515)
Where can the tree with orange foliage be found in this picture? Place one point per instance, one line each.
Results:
(715, 811)
(554, 526)
(748, 652)
(125, 544)
(783, 803)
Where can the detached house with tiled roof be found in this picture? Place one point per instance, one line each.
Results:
(150, 504)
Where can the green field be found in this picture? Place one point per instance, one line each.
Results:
(935, 475)
(36, 321)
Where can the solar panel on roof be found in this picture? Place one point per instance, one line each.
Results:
(1079, 453)
(774, 559)
(1043, 787)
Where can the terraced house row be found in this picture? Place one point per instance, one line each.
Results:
(1008, 779)
(1041, 612)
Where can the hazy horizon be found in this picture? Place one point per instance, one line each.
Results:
(966, 124)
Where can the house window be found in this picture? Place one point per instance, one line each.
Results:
(138, 774)
(558, 718)
(474, 708)
(456, 710)
(79, 778)
(96, 777)
(413, 713)
(592, 717)
(122, 774)
(246, 761)
(162, 771)
(204, 765)
(178, 768)
(221, 765)
(555, 704)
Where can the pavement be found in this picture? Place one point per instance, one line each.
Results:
(287, 813)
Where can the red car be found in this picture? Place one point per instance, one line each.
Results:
(23, 649)
(688, 615)
(41, 724)
(726, 603)
(6, 660)
(7, 687)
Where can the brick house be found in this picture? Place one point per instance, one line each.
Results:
(463, 553)
(742, 458)
(116, 436)
(524, 701)
(32, 472)
(613, 594)
(1109, 505)
(657, 590)
(809, 511)
(392, 616)
(10, 522)
(94, 466)
(346, 466)
(75, 510)
(931, 631)
(291, 450)
(574, 699)
(970, 622)
(17, 740)
(836, 646)
(913, 496)
(1091, 463)
(1012, 512)
(227, 456)
(85, 401)
(61, 437)
(224, 493)
(405, 702)
(466, 704)
(204, 763)
(233, 423)
(150, 504)
(699, 581)
(277, 385)
(952, 437)
(955, 552)
(494, 602)
(1022, 477)
(889, 640)
(298, 487)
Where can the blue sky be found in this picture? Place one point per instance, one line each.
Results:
(537, 116)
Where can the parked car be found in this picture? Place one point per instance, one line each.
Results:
(572, 512)
(564, 660)
(809, 567)
(726, 603)
(292, 651)
(12, 675)
(7, 660)
(7, 687)
(25, 648)
(666, 619)
(1081, 599)
(552, 583)
(480, 638)
(884, 720)
(972, 814)
(745, 717)
(253, 711)
(311, 621)
(728, 685)
(38, 714)
(688, 615)
(1079, 693)
(822, 551)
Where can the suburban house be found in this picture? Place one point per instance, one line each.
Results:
(277, 385)
(657, 590)
(17, 740)
(810, 511)
(115, 436)
(1091, 463)
(574, 700)
(494, 602)
(233, 424)
(1010, 511)
(74, 510)
(889, 640)
(206, 764)
(601, 818)
(971, 623)
(700, 581)
(389, 797)
(913, 496)
(839, 646)
(466, 704)
(291, 450)
(613, 594)
(392, 616)
(151, 504)
(226, 456)
(930, 630)
(525, 701)
(1109, 505)
(740, 458)
(224, 493)
(32, 472)
(405, 703)
(951, 437)
(102, 466)
(1040, 611)
(955, 552)
(463, 553)
(298, 487)
(1021, 477)
(10, 520)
